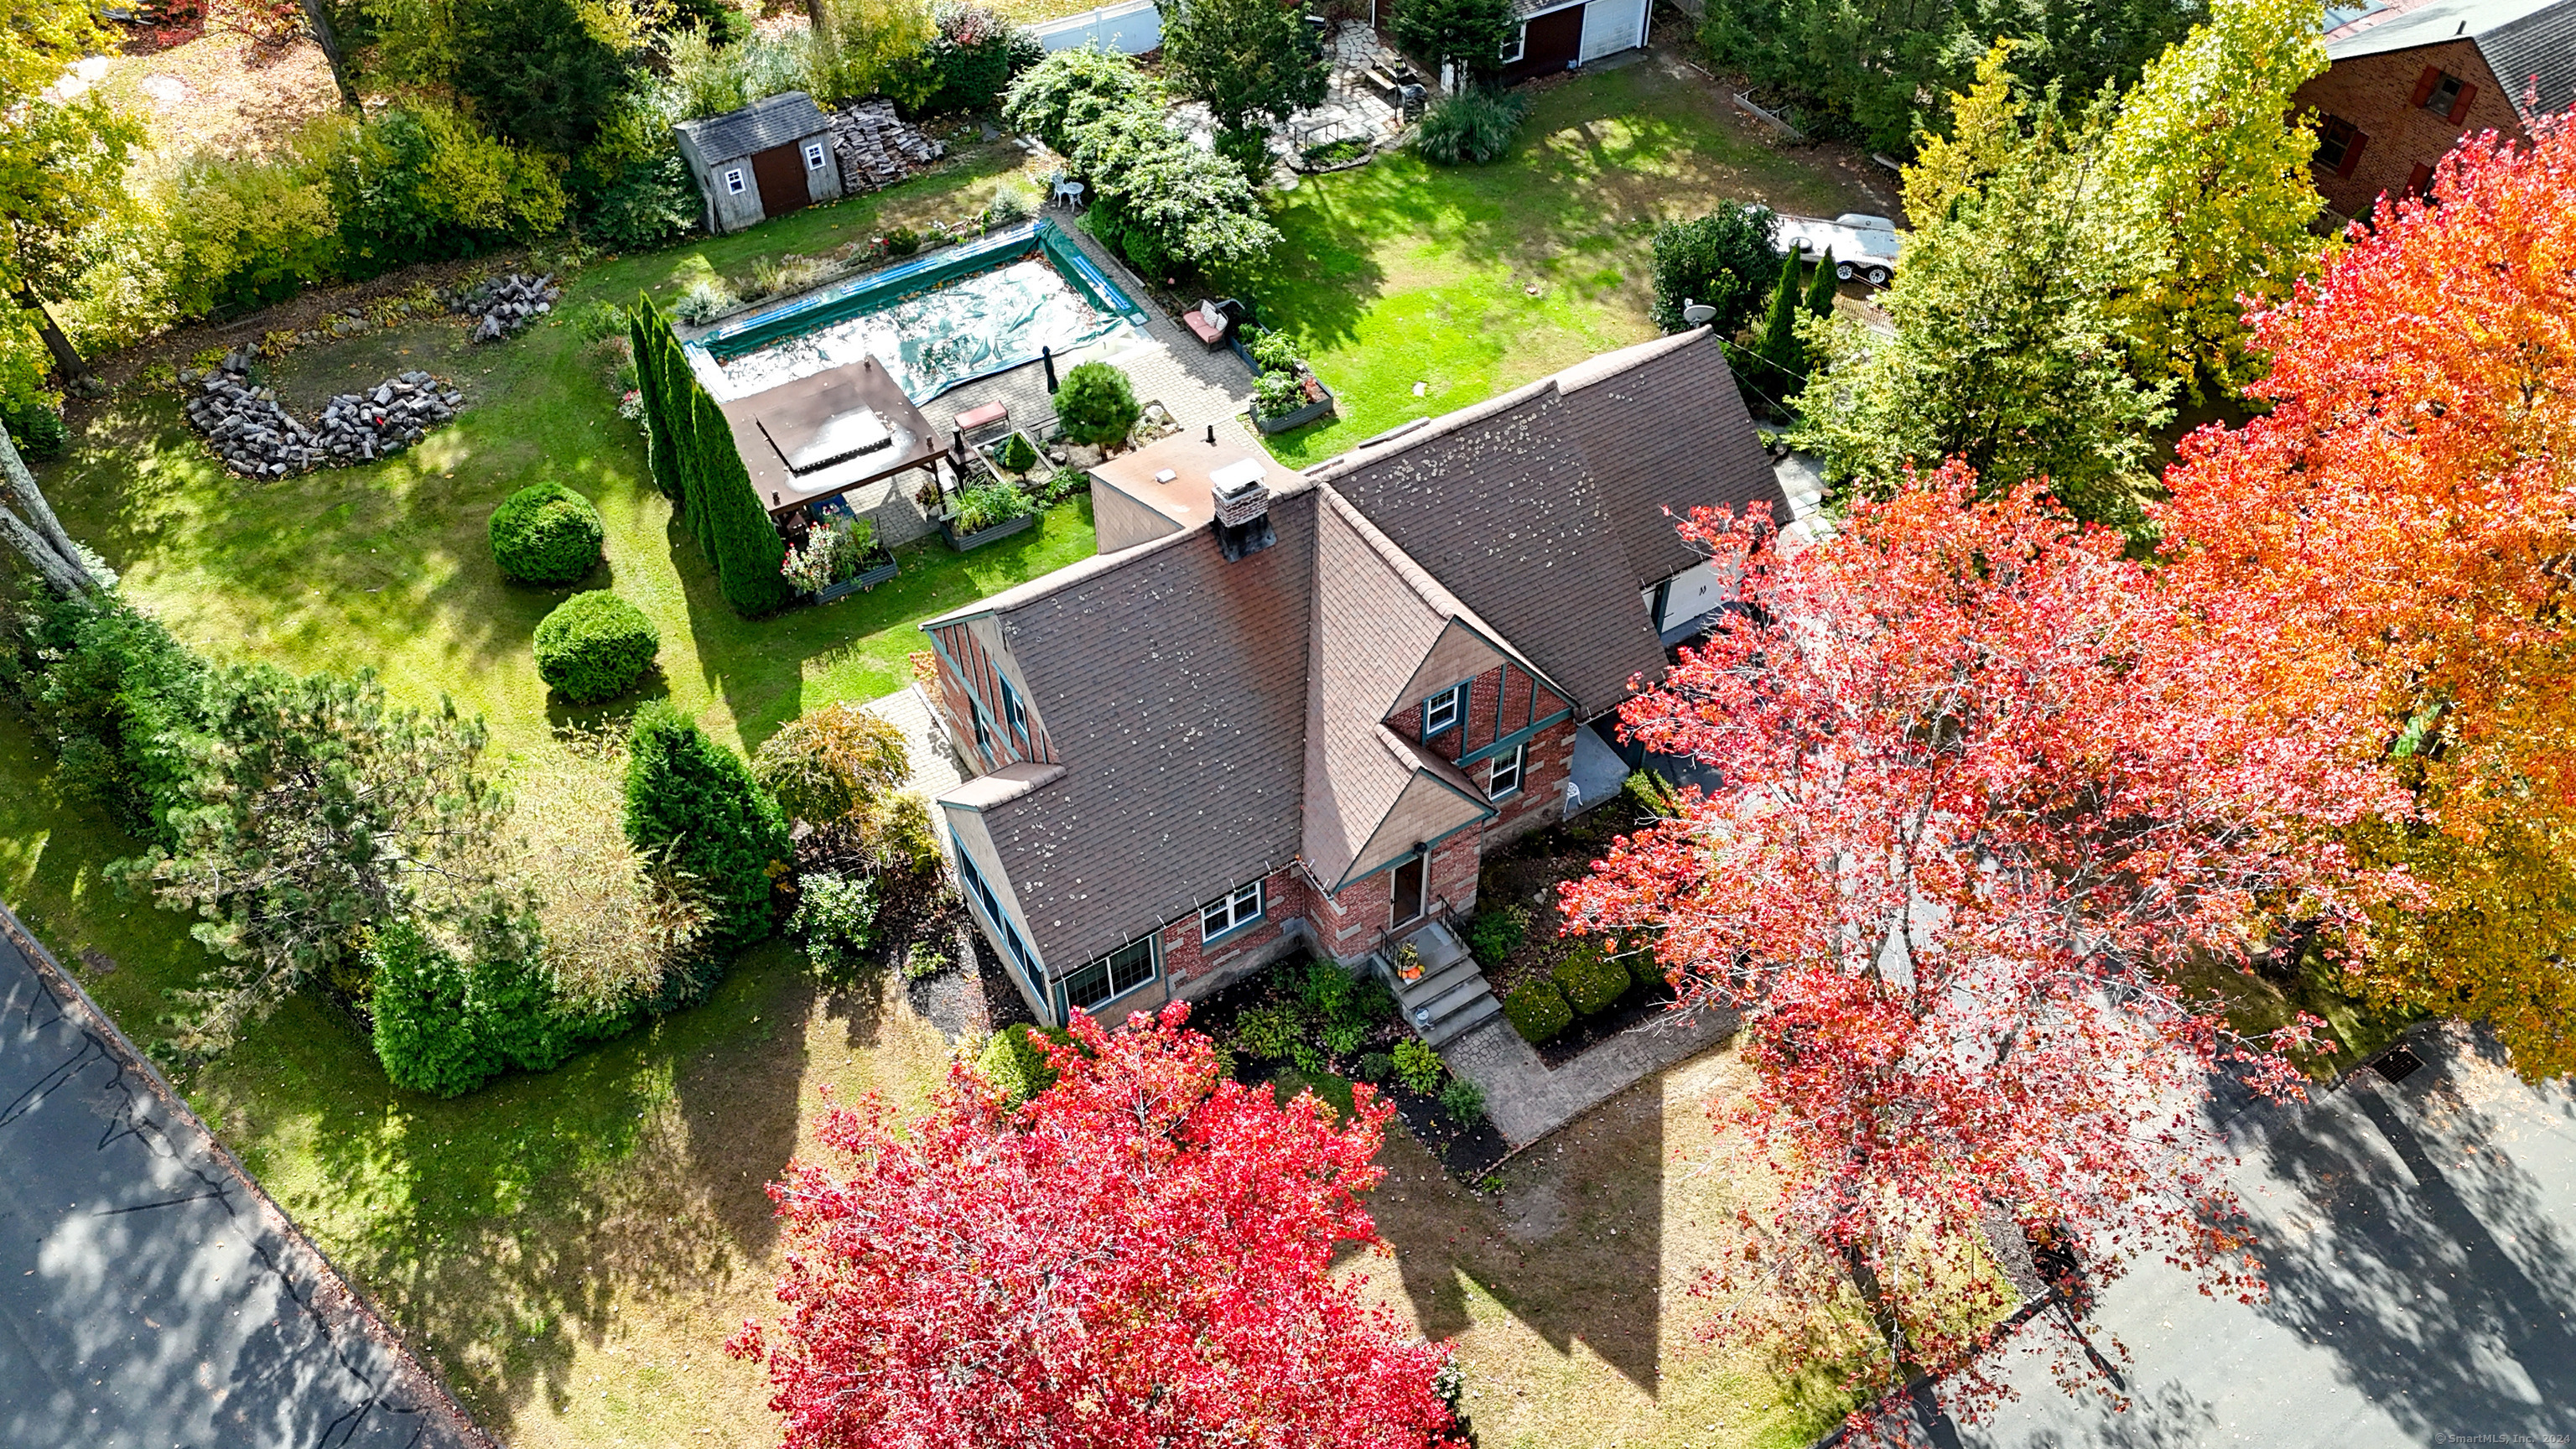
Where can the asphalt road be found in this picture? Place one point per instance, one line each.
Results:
(150, 1297)
(2420, 1241)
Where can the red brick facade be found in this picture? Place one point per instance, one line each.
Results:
(1501, 702)
(2383, 97)
(966, 672)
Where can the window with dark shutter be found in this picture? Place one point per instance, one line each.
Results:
(2447, 97)
(2339, 144)
(2460, 105)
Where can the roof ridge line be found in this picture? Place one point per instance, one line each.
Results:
(1083, 570)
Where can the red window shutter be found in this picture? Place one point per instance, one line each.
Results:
(2419, 182)
(2460, 107)
(2424, 84)
(2352, 153)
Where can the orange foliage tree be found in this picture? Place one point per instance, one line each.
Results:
(2407, 511)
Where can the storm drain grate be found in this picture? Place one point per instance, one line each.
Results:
(2398, 1063)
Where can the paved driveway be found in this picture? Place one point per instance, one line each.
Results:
(150, 1297)
(2420, 1238)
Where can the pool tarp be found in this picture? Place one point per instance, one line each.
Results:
(963, 313)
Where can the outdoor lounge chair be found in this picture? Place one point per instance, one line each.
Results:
(1213, 322)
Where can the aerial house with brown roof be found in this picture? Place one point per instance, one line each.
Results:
(2405, 81)
(1283, 713)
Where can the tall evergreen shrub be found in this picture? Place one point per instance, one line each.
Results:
(650, 333)
(695, 799)
(737, 533)
(1820, 288)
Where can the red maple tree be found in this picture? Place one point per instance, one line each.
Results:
(1989, 801)
(2406, 510)
(1138, 1256)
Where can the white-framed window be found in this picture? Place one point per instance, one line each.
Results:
(1230, 912)
(1013, 711)
(1443, 710)
(734, 181)
(1503, 773)
(1517, 46)
(1112, 976)
(813, 155)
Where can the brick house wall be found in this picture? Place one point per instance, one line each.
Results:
(1542, 798)
(966, 671)
(1501, 702)
(1192, 967)
(2376, 94)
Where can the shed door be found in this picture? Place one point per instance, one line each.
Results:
(1549, 43)
(780, 174)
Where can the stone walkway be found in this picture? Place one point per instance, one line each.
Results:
(1526, 1099)
(1353, 109)
(935, 767)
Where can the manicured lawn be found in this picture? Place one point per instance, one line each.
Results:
(1475, 280)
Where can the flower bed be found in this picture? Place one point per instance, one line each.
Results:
(1286, 393)
(965, 541)
(838, 558)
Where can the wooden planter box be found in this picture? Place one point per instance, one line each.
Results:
(1321, 407)
(964, 541)
(880, 567)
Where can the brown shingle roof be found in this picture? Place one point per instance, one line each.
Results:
(1663, 426)
(1500, 507)
(1173, 684)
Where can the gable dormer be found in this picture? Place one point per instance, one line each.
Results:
(984, 698)
(1469, 700)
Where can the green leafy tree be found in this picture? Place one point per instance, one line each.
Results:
(693, 804)
(834, 766)
(1880, 71)
(62, 162)
(311, 811)
(862, 47)
(1722, 260)
(2214, 156)
(1469, 34)
(1246, 60)
(536, 74)
(2005, 352)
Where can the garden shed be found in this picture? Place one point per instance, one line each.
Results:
(767, 159)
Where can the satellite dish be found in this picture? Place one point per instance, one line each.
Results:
(1697, 314)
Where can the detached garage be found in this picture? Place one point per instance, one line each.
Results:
(1557, 37)
(767, 159)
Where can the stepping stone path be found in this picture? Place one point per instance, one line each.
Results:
(501, 306)
(258, 438)
(875, 147)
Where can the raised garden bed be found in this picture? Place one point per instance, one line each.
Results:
(963, 542)
(1320, 407)
(876, 567)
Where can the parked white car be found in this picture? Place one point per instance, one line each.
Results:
(1864, 246)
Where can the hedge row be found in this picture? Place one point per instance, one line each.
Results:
(1587, 983)
(696, 464)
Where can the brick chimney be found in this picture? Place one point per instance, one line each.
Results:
(1242, 509)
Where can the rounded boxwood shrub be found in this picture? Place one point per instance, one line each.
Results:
(546, 534)
(1592, 982)
(1013, 1063)
(595, 646)
(1096, 404)
(1537, 1010)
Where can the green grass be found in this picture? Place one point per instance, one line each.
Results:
(569, 1248)
(1475, 280)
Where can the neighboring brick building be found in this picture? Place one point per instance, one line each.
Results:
(2407, 82)
(1280, 714)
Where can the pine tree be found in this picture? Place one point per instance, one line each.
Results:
(1783, 369)
(735, 528)
(691, 801)
(1820, 288)
(646, 331)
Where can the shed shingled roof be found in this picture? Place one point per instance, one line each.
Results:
(779, 120)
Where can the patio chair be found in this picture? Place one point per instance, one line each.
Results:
(1067, 194)
(1213, 322)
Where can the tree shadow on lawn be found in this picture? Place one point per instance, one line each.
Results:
(2434, 1261)
(507, 1229)
(1573, 1245)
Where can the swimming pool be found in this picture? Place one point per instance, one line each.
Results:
(936, 322)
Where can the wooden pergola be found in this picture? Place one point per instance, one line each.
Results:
(822, 436)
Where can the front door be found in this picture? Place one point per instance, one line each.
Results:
(1549, 44)
(780, 174)
(1408, 891)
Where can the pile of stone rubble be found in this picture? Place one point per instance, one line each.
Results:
(258, 438)
(877, 149)
(500, 306)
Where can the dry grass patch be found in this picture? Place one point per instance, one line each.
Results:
(221, 93)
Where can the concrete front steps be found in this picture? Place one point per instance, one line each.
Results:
(1451, 998)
